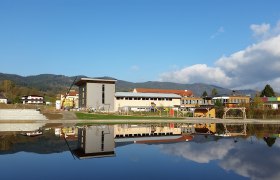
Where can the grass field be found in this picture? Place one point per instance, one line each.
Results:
(119, 117)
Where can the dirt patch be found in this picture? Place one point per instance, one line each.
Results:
(52, 115)
(69, 115)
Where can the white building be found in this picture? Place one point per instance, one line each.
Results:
(145, 101)
(32, 99)
(3, 99)
(223, 99)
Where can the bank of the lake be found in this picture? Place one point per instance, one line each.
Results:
(122, 117)
(149, 121)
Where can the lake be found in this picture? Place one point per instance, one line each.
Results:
(139, 151)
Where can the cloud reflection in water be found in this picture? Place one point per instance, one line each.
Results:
(254, 160)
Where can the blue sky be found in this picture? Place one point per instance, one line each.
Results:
(182, 41)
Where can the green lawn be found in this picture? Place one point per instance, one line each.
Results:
(112, 116)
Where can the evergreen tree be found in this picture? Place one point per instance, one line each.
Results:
(214, 92)
(269, 141)
(267, 91)
(218, 103)
(204, 94)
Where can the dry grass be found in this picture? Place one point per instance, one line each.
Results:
(53, 116)
(25, 106)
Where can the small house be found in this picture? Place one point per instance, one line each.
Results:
(206, 112)
(3, 99)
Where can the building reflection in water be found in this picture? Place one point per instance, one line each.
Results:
(95, 141)
(151, 134)
(100, 141)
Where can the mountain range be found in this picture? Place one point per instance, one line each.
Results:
(60, 83)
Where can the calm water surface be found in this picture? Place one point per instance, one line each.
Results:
(143, 151)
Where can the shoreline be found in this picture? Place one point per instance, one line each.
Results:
(118, 121)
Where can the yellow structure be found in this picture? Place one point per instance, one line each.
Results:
(205, 112)
(239, 100)
(70, 100)
(211, 127)
(233, 100)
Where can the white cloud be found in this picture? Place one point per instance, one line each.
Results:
(257, 63)
(260, 30)
(253, 67)
(218, 32)
(197, 73)
(197, 152)
(255, 161)
(264, 31)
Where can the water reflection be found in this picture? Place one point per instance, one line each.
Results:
(95, 141)
(243, 149)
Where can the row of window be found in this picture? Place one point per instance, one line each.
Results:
(205, 102)
(232, 101)
(39, 98)
(33, 101)
(193, 102)
(237, 101)
(144, 99)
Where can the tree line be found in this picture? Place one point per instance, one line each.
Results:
(14, 92)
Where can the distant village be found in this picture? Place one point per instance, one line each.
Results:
(99, 95)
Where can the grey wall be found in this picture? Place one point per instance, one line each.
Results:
(93, 140)
(94, 96)
(110, 90)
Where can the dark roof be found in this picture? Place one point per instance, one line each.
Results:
(165, 91)
(79, 153)
(105, 78)
(97, 79)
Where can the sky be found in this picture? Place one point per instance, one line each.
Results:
(232, 44)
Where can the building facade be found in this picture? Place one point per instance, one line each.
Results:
(32, 99)
(97, 93)
(271, 102)
(232, 101)
(145, 101)
(192, 102)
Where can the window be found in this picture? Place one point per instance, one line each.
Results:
(103, 94)
(102, 140)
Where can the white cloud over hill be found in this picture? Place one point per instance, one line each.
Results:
(253, 67)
